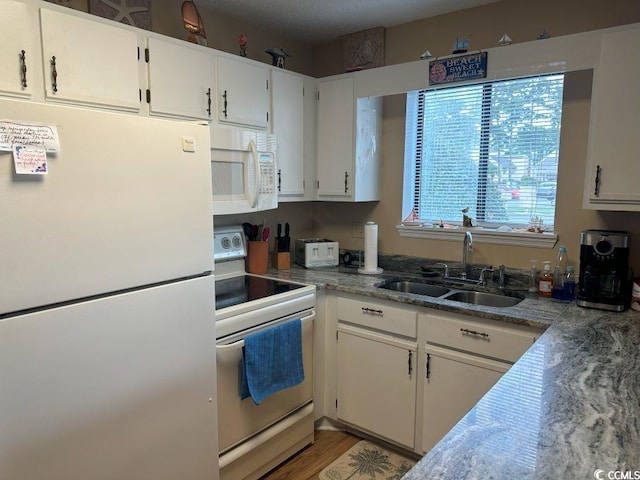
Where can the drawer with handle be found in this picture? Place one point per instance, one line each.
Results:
(378, 316)
(483, 337)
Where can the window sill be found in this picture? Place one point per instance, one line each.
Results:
(480, 235)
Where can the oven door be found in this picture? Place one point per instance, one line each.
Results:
(240, 419)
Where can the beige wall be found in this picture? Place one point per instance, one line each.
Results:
(523, 21)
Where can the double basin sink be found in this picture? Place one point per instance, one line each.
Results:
(466, 296)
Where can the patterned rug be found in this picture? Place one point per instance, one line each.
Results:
(367, 461)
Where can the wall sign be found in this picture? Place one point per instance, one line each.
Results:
(458, 69)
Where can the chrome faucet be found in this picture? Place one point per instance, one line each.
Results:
(467, 249)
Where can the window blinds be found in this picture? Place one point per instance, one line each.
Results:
(492, 148)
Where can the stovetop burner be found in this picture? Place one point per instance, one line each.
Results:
(246, 288)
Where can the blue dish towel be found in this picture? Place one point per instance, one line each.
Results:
(272, 361)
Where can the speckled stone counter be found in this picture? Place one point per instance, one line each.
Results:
(569, 407)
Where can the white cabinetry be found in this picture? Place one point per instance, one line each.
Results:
(287, 123)
(310, 137)
(180, 79)
(17, 49)
(376, 375)
(89, 62)
(349, 130)
(243, 96)
(613, 169)
(463, 359)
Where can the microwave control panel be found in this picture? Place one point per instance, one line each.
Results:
(267, 174)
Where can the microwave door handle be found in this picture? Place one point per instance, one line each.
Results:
(253, 196)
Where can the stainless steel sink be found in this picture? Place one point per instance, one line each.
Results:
(416, 287)
(482, 298)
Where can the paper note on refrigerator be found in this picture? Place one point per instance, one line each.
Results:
(30, 160)
(28, 134)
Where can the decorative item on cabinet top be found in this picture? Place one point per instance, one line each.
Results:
(193, 24)
(363, 50)
(136, 13)
(278, 56)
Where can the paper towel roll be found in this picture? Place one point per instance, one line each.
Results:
(370, 249)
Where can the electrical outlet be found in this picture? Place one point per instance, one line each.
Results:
(357, 230)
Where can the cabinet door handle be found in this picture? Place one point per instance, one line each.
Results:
(279, 180)
(23, 69)
(372, 310)
(428, 374)
(54, 74)
(209, 101)
(474, 332)
(410, 365)
(596, 190)
(346, 182)
(224, 110)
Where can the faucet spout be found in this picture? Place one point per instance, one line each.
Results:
(467, 249)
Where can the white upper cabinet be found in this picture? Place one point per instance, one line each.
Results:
(180, 79)
(17, 52)
(613, 169)
(287, 123)
(243, 96)
(349, 130)
(89, 62)
(310, 137)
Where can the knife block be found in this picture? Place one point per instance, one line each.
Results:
(281, 260)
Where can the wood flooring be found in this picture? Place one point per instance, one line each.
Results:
(309, 462)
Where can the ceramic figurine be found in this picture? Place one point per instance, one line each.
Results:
(543, 35)
(466, 220)
(505, 40)
(242, 42)
(460, 45)
(278, 55)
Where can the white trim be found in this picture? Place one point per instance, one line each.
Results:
(480, 235)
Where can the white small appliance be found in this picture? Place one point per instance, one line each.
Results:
(243, 170)
(317, 252)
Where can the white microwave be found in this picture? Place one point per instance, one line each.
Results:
(243, 170)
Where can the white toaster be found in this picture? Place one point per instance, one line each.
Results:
(317, 252)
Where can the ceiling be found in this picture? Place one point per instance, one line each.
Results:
(319, 21)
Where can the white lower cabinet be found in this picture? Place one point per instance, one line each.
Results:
(377, 383)
(388, 387)
(463, 358)
(377, 362)
(454, 382)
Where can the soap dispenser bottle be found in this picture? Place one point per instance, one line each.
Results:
(545, 280)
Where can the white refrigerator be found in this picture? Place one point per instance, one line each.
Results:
(107, 333)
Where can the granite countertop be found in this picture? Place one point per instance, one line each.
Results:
(568, 408)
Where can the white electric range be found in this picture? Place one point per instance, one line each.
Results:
(255, 438)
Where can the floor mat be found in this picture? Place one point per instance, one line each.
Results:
(367, 461)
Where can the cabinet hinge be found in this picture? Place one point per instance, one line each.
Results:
(138, 53)
(267, 84)
(318, 184)
(140, 94)
(267, 117)
(146, 55)
(336, 336)
(318, 95)
(148, 96)
(336, 403)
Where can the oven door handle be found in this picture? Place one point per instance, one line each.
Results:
(240, 343)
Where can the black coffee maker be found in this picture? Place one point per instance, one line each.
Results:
(605, 277)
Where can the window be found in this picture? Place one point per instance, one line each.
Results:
(491, 147)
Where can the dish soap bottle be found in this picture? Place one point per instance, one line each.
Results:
(545, 280)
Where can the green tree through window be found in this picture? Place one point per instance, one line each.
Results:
(492, 147)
